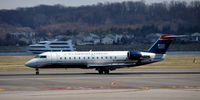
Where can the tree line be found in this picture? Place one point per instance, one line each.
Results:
(125, 17)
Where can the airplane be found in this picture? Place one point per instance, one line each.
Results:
(102, 61)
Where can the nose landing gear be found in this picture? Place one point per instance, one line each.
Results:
(37, 71)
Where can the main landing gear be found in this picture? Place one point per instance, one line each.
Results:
(103, 71)
(37, 71)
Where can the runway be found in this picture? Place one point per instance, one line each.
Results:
(82, 84)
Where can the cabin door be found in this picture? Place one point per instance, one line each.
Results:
(54, 58)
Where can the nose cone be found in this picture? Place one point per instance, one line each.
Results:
(30, 63)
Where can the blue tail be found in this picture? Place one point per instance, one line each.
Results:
(162, 44)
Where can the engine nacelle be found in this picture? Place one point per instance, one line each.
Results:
(134, 55)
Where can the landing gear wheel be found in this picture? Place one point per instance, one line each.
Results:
(103, 70)
(37, 71)
(100, 71)
(106, 71)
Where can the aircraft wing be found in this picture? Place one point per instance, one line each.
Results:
(112, 64)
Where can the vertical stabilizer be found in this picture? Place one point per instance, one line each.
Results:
(162, 44)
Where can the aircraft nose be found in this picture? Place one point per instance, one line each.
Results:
(30, 64)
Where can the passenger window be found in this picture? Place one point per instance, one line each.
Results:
(88, 57)
(83, 57)
(110, 57)
(115, 57)
(97, 57)
(60, 57)
(79, 57)
(101, 57)
(65, 57)
(106, 57)
(70, 58)
(74, 57)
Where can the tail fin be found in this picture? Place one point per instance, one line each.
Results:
(162, 44)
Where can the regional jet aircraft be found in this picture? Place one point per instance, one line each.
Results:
(102, 61)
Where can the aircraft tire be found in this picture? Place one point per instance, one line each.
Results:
(100, 71)
(106, 71)
(37, 71)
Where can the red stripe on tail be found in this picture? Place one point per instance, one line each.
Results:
(167, 36)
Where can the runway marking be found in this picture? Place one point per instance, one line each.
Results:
(145, 88)
(82, 88)
(192, 90)
(103, 92)
(130, 89)
(74, 79)
(1, 89)
(140, 88)
(46, 76)
(90, 81)
(114, 82)
(175, 87)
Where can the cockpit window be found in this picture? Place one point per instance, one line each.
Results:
(40, 56)
(43, 56)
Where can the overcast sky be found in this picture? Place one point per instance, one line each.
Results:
(13, 4)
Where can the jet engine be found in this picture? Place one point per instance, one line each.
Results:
(134, 55)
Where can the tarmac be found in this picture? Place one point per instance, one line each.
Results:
(122, 84)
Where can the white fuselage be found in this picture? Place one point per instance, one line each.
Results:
(91, 59)
(103, 61)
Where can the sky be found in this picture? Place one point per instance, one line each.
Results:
(13, 4)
